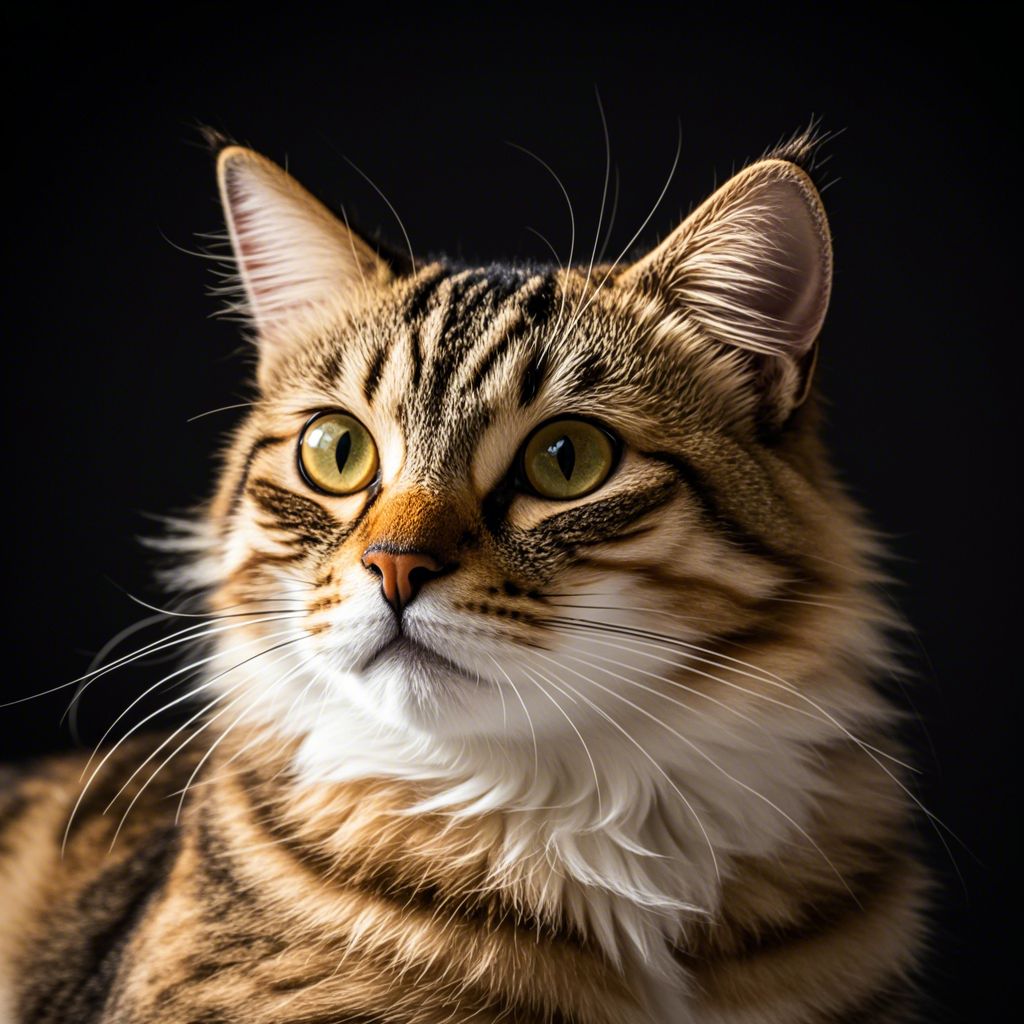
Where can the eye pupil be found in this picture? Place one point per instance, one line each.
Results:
(341, 452)
(564, 452)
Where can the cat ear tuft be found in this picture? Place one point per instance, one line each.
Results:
(752, 267)
(214, 139)
(298, 264)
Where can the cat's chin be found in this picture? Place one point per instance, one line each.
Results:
(407, 684)
(404, 654)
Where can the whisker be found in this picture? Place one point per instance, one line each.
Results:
(579, 735)
(611, 218)
(551, 248)
(299, 697)
(639, 747)
(639, 231)
(870, 751)
(665, 679)
(604, 190)
(526, 712)
(572, 219)
(97, 662)
(355, 256)
(631, 608)
(71, 711)
(187, 668)
(701, 753)
(258, 699)
(220, 408)
(172, 613)
(182, 636)
(669, 643)
(181, 728)
(394, 212)
(149, 717)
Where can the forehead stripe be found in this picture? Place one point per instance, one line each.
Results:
(418, 300)
(373, 373)
(533, 377)
(529, 302)
(417, 305)
(507, 322)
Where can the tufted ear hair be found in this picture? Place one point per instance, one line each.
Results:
(752, 267)
(298, 264)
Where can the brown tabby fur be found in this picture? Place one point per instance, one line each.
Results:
(275, 904)
(274, 899)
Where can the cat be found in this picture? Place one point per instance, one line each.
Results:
(543, 651)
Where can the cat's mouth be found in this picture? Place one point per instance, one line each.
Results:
(407, 651)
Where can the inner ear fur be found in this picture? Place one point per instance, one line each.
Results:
(752, 267)
(299, 266)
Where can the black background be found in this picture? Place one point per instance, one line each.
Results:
(110, 347)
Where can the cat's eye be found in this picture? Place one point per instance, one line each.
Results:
(568, 458)
(337, 454)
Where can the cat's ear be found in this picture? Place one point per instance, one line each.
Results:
(298, 264)
(752, 267)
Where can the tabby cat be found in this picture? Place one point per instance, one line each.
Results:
(541, 664)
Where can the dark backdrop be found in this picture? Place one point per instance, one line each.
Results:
(110, 348)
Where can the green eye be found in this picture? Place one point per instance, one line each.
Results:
(337, 454)
(568, 459)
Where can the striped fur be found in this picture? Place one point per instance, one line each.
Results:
(631, 765)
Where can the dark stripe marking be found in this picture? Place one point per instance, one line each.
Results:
(540, 303)
(418, 300)
(588, 372)
(533, 377)
(734, 531)
(600, 522)
(216, 863)
(537, 297)
(254, 449)
(373, 374)
(490, 358)
(416, 357)
(311, 523)
(480, 908)
(416, 306)
(77, 969)
(463, 297)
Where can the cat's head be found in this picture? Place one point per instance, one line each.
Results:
(524, 502)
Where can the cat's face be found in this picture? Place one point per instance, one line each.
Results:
(518, 502)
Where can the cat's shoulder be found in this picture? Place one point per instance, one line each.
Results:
(85, 794)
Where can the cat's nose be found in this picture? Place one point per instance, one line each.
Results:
(401, 574)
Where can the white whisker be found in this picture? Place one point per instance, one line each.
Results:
(632, 241)
(394, 212)
(526, 711)
(572, 220)
(192, 666)
(697, 750)
(150, 717)
(579, 735)
(727, 663)
(657, 767)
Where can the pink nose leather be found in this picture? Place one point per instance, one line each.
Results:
(401, 575)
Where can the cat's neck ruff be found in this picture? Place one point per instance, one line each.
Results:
(627, 842)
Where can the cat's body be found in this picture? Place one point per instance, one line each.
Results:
(491, 743)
